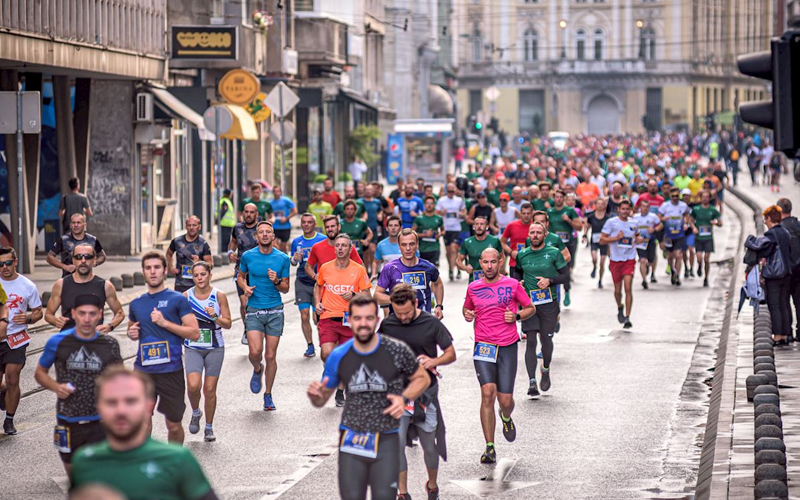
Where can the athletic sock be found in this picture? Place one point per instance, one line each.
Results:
(196, 412)
(504, 418)
(545, 369)
(9, 416)
(208, 426)
(490, 444)
(532, 381)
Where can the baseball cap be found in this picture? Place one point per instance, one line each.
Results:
(686, 191)
(504, 196)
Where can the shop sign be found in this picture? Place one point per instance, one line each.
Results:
(204, 42)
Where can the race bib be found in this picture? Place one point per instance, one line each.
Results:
(362, 444)
(668, 243)
(596, 238)
(154, 353)
(186, 272)
(476, 275)
(346, 319)
(675, 225)
(357, 244)
(278, 214)
(563, 235)
(19, 339)
(409, 409)
(643, 244)
(625, 242)
(485, 351)
(520, 247)
(205, 339)
(704, 230)
(416, 279)
(452, 215)
(432, 240)
(61, 439)
(541, 296)
(306, 253)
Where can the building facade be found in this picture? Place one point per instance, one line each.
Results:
(607, 66)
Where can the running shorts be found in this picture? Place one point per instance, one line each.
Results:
(208, 360)
(502, 373)
(303, 294)
(266, 321)
(451, 237)
(379, 475)
(678, 244)
(602, 248)
(283, 234)
(690, 240)
(170, 391)
(620, 269)
(649, 253)
(9, 356)
(80, 435)
(332, 331)
(544, 321)
(704, 246)
(432, 257)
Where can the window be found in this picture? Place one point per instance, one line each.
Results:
(647, 45)
(475, 101)
(531, 45)
(477, 45)
(580, 45)
(599, 39)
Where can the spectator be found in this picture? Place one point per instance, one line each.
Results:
(73, 203)
(357, 170)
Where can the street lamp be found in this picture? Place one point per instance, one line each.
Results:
(640, 25)
(563, 25)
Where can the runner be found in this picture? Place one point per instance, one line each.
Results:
(423, 333)
(130, 461)
(210, 307)
(514, 236)
(320, 208)
(60, 256)
(648, 225)
(542, 268)
(504, 214)
(283, 211)
(469, 255)
(482, 209)
(374, 208)
(388, 249)
(543, 202)
(430, 227)
(412, 270)
(704, 218)
(263, 207)
(563, 221)
(595, 222)
(454, 210)
(188, 249)
(381, 376)
(409, 206)
(358, 231)
(689, 253)
(242, 240)
(621, 235)
(80, 355)
(495, 303)
(674, 214)
(22, 307)
(82, 281)
(337, 282)
(324, 251)
(267, 269)
(656, 200)
(303, 285)
(350, 194)
(160, 320)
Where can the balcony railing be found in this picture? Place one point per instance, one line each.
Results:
(134, 25)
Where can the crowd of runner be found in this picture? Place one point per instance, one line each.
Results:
(370, 276)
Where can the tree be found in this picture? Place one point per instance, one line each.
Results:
(362, 143)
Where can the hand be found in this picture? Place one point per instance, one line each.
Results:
(195, 258)
(64, 391)
(543, 283)
(510, 316)
(398, 406)
(469, 269)
(364, 244)
(70, 268)
(173, 270)
(620, 236)
(157, 318)
(565, 217)
(298, 256)
(283, 220)
(104, 329)
(233, 257)
(347, 295)
(514, 254)
(210, 311)
(469, 315)
(438, 312)
(133, 330)
(639, 239)
(60, 322)
(272, 275)
(320, 308)
(314, 391)
(426, 362)
(20, 319)
(248, 291)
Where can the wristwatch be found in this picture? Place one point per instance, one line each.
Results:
(519, 318)
(439, 305)
(4, 319)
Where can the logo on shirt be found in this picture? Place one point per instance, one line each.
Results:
(340, 289)
(14, 301)
(150, 469)
(365, 380)
(162, 304)
(83, 360)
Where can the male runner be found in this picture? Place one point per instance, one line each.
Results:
(206, 354)
(674, 214)
(423, 333)
(689, 252)
(388, 249)
(648, 225)
(563, 221)
(80, 355)
(542, 268)
(60, 256)
(544, 201)
(303, 285)
(595, 222)
(493, 302)
(329, 195)
(324, 251)
(374, 208)
(412, 270)
(704, 217)
(242, 240)
(188, 249)
(283, 210)
(130, 461)
(550, 239)
(469, 255)
(381, 376)
(409, 206)
(267, 269)
(82, 281)
(358, 231)
(429, 226)
(621, 234)
(23, 307)
(320, 208)
(338, 281)
(513, 239)
(160, 320)
(350, 194)
(263, 207)
(453, 209)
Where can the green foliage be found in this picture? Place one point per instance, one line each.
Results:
(363, 141)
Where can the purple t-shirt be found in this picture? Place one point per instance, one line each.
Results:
(490, 302)
(419, 277)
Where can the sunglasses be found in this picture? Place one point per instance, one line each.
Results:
(7, 263)
(82, 256)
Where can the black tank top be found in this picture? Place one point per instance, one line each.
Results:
(70, 290)
(485, 212)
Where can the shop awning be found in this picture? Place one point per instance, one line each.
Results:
(440, 102)
(243, 128)
(354, 97)
(183, 111)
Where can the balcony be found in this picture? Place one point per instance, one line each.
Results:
(321, 41)
(547, 68)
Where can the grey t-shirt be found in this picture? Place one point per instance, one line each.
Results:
(73, 203)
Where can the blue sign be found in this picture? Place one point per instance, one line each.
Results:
(394, 158)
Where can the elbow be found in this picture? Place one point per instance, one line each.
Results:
(195, 334)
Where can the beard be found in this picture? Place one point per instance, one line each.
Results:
(126, 435)
(83, 270)
(364, 335)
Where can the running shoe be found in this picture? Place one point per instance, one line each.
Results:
(594, 271)
(669, 268)
(705, 281)
(691, 273)
(628, 325)
(567, 302)
(653, 278)
(309, 352)
(489, 456)
(600, 285)
(450, 274)
(403, 496)
(433, 494)
(194, 424)
(686, 273)
(458, 274)
(3, 400)
(699, 271)
(539, 355)
(621, 315)
(209, 436)
(677, 282)
(269, 404)
(545, 384)
(645, 285)
(244, 338)
(673, 278)
(509, 429)
(558, 327)
(8, 427)
(533, 391)
(255, 380)
(339, 398)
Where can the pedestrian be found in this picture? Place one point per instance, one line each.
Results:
(60, 256)
(226, 216)
(73, 203)
(776, 274)
(357, 170)
(792, 225)
(458, 157)
(188, 249)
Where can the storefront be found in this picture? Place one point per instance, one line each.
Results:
(420, 149)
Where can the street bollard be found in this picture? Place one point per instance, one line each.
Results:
(138, 279)
(764, 352)
(127, 280)
(754, 381)
(771, 457)
(763, 344)
(117, 282)
(763, 359)
(770, 444)
(769, 419)
(764, 367)
(768, 431)
(760, 399)
(225, 259)
(771, 489)
(217, 260)
(767, 408)
(770, 472)
(771, 376)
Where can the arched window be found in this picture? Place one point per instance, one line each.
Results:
(477, 45)
(580, 44)
(599, 41)
(647, 47)
(531, 45)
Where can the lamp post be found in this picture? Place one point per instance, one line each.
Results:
(640, 25)
(563, 25)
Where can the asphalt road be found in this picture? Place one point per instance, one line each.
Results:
(623, 419)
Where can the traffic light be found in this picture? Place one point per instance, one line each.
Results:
(710, 123)
(478, 126)
(782, 113)
(494, 125)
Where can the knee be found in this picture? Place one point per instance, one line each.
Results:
(12, 380)
(488, 395)
(209, 392)
(269, 356)
(193, 387)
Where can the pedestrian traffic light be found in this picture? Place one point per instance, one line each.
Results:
(494, 125)
(710, 123)
(478, 126)
(782, 113)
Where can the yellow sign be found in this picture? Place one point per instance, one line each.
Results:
(239, 86)
(257, 109)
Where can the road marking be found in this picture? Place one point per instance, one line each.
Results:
(298, 475)
(62, 482)
(495, 483)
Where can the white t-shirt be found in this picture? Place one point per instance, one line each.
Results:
(646, 224)
(616, 177)
(624, 249)
(673, 213)
(357, 169)
(22, 294)
(514, 205)
(599, 181)
(504, 218)
(451, 208)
